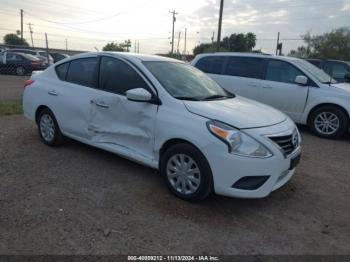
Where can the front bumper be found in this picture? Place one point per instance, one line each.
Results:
(227, 169)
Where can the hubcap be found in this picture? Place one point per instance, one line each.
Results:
(327, 123)
(183, 174)
(20, 71)
(47, 127)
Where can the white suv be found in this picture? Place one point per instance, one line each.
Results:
(296, 87)
(168, 115)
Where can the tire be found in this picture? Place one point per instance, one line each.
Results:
(48, 128)
(337, 120)
(200, 188)
(20, 71)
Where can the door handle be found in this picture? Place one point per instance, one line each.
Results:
(252, 85)
(53, 93)
(267, 87)
(103, 105)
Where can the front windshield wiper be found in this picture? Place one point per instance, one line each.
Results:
(190, 98)
(213, 97)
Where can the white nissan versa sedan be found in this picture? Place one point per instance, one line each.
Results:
(296, 87)
(168, 115)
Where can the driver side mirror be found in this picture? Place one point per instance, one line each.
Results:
(139, 95)
(301, 80)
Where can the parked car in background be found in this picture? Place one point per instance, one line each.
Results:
(168, 115)
(58, 56)
(296, 87)
(19, 63)
(339, 70)
(38, 53)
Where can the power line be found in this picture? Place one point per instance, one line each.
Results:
(99, 19)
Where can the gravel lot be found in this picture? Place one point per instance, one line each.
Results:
(11, 87)
(80, 200)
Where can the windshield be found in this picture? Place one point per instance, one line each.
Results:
(319, 74)
(183, 81)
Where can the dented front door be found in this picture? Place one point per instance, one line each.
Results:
(116, 121)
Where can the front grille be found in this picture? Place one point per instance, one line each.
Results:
(284, 142)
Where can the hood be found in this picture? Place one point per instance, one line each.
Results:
(342, 86)
(238, 112)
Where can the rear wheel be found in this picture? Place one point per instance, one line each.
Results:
(187, 172)
(20, 71)
(329, 122)
(49, 130)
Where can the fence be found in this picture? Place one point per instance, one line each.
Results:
(20, 62)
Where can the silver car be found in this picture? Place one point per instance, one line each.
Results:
(38, 53)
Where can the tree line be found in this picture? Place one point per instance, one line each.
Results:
(331, 45)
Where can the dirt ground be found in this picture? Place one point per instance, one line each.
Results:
(11, 87)
(80, 200)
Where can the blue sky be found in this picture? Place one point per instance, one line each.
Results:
(89, 24)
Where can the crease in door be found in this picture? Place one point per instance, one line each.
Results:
(103, 130)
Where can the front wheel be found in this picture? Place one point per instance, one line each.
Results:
(186, 172)
(329, 122)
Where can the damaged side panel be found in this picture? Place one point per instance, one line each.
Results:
(116, 121)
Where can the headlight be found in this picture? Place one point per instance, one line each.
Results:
(238, 142)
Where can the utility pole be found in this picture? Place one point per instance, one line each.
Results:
(219, 26)
(172, 35)
(185, 41)
(47, 49)
(278, 42)
(138, 46)
(31, 32)
(22, 25)
(135, 46)
(212, 38)
(66, 44)
(178, 43)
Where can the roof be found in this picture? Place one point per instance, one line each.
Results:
(255, 55)
(135, 56)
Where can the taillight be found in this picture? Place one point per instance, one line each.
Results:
(28, 83)
(35, 63)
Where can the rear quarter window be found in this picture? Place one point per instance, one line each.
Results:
(211, 64)
(61, 71)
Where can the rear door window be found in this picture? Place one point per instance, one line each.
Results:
(83, 71)
(280, 71)
(211, 64)
(250, 67)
